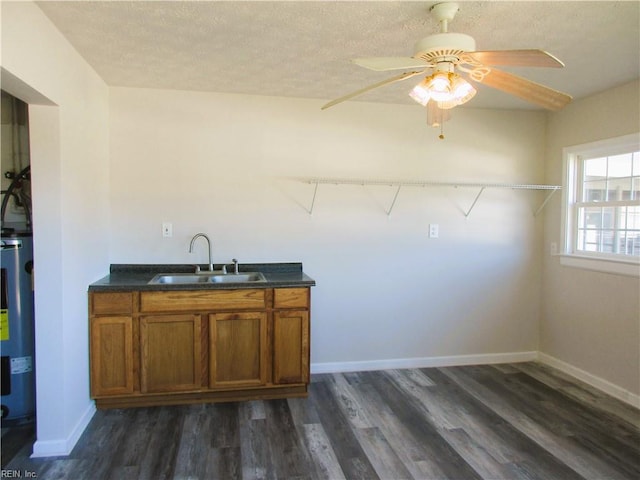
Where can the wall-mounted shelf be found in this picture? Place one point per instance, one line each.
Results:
(399, 184)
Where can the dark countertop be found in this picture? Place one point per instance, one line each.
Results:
(127, 277)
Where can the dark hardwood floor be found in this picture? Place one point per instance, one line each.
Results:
(510, 421)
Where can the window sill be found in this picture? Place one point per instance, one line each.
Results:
(618, 267)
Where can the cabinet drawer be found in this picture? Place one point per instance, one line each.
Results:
(111, 303)
(194, 300)
(291, 298)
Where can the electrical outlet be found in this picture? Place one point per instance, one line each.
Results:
(167, 229)
(434, 230)
(553, 248)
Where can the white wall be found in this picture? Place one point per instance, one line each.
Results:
(214, 163)
(69, 158)
(590, 320)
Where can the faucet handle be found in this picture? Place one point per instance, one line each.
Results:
(197, 268)
(235, 265)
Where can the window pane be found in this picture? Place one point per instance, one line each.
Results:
(595, 168)
(590, 217)
(633, 218)
(620, 165)
(619, 189)
(582, 242)
(608, 217)
(607, 241)
(594, 179)
(588, 241)
(633, 245)
(619, 173)
(594, 191)
(632, 234)
(605, 202)
(636, 175)
(609, 230)
(622, 218)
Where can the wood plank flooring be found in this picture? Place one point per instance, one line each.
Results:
(509, 421)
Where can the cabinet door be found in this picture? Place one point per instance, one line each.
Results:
(111, 356)
(291, 347)
(170, 353)
(238, 349)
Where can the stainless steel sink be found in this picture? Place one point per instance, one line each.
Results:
(190, 278)
(179, 278)
(251, 277)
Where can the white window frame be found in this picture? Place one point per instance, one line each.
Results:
(603, 262)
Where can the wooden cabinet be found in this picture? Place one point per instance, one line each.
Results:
(291, 335)
(291, 347)
(170, 353)
(163, 347)
(111, 347)
(111, 344)
(238, 349)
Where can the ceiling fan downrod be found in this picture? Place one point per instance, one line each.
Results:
(444, 13)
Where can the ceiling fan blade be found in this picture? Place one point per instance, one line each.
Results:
(521, 87)
(382, 64)
(397, 78)
(517, 58)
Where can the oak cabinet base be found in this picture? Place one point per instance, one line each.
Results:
(266, 393)
(182, 346)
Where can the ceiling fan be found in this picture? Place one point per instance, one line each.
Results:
(449, 59)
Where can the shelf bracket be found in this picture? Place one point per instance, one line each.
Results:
(393, 202)
(313, 200)
(546, 200)
(474, 202)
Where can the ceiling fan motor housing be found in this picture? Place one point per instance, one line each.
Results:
(443, 47)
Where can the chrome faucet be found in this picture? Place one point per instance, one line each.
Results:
(208, 243)
(235, 267)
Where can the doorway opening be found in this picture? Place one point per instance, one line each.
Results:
(17, 326)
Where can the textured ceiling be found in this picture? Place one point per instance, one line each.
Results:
(303, 49)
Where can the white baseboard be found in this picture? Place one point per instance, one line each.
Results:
(63, 446)
(423, 362)
(481, 359)
(593, 380)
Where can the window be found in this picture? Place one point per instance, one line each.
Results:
(602, 207)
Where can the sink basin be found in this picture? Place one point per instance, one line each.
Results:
(179, 278)
(251, 277)
(190, 278)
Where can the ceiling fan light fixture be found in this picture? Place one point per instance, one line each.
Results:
(440, 86)
(448, 89)
(420, 94)
(462, 90)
